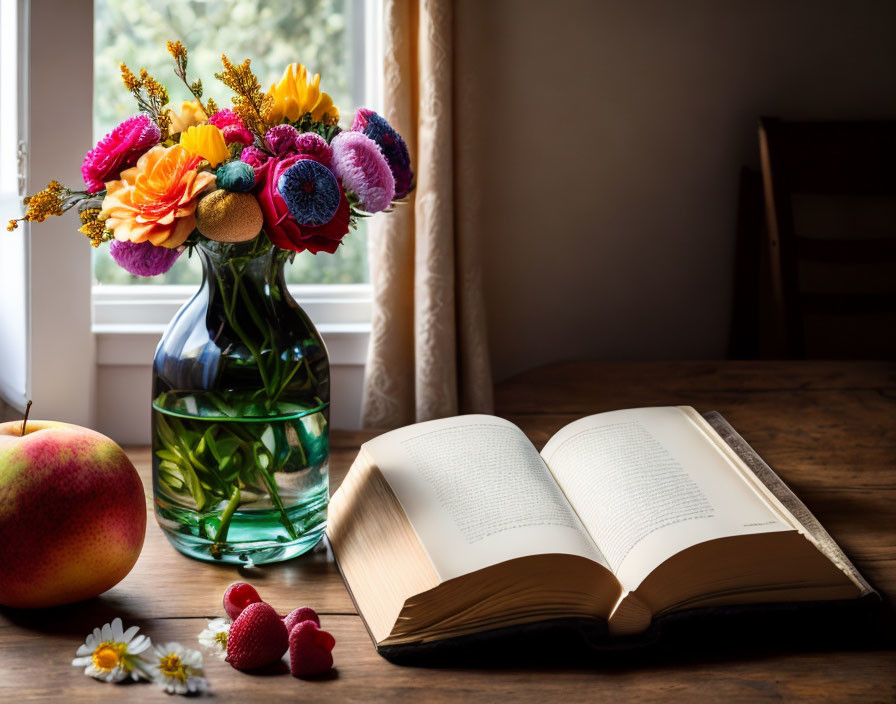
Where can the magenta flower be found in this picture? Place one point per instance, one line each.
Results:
(142, 258)
(359, 124)
(392, 145)
(286, 140)
(119, 150)
(314, 146)
(231, 126)
(363, 170)
(254, 157)
(282, 140)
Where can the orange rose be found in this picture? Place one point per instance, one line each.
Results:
(155, 201)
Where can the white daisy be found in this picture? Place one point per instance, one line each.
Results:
(176, 669)
(214, 636)
(111, 654)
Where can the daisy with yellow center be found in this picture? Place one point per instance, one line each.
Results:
(111, 654)
(214, 636)
(177, 670)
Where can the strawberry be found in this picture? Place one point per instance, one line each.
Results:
(237, 597)
(310, 650)
(257, 638)
(296, 616)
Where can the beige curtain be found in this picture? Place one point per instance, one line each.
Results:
(428, 355)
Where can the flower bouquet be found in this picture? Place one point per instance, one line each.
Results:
(241, 376)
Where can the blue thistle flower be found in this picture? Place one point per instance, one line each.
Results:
(310, 191)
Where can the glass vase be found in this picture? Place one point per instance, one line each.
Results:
(240, 414)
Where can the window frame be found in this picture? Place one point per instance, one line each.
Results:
(52, 296)
(14, 385)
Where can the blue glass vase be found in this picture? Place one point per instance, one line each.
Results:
(241, 390)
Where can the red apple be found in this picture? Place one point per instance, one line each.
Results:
(72, 514)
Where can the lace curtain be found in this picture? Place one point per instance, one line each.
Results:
(428, 355)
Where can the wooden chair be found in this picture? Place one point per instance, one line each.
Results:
(830, 202)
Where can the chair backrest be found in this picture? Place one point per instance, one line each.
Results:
(830, 200)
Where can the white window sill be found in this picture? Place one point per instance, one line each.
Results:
(129, 320)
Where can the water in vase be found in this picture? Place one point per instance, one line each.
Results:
(238, 483)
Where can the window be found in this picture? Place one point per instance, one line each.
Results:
(13, 261)
(328, 36)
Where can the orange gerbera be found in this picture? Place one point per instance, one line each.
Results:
(155, 201)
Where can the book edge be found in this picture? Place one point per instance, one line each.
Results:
(788, 499)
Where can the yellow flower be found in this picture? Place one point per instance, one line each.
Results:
(191, 113)
(93, 228)
(206, 141)
(294, 96)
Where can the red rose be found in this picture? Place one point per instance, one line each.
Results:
(281, 227)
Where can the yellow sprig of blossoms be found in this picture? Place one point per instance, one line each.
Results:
(151, 95)
(177, 50)
(93, 228)
(128, 77)
(49, 201)
(250, 102)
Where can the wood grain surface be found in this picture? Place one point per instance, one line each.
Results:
(827, 428)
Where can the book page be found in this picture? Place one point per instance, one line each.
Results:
(477, 493)
(647, 484)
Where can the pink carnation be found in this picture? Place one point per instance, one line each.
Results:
(232, 126)
(286, 140)
(359, 124)
(281, 140)
(254, 157)
(314, 146)
(363, 170)
(119, 150)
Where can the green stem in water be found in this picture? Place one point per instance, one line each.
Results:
(275, 499)
(226, 517)
(237, 328)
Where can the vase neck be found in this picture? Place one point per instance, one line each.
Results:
(223, 263)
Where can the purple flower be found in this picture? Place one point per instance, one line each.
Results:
(282, 140)
(142, 258)
(315, 147)
(363, 170)
(310, 191)
(394, 148)
(254, 157)
(286, 140)
(119, 150)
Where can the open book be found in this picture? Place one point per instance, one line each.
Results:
(460, 526)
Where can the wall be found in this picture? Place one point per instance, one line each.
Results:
(611, 136)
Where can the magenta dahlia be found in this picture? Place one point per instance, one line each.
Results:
(119, 150)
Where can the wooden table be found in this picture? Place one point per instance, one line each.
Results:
(828, 428)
